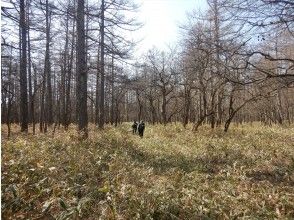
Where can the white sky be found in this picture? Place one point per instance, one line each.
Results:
(162, 19)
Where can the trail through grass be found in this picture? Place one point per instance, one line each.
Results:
(171, 173)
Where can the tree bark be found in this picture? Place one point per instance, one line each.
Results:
(102, 68)
(81, 71)
(68, 85)
(31, 98)
(64, 73)
(187, 106)
(47, 70)
(23, 70)
(112, 91)
(10, 97)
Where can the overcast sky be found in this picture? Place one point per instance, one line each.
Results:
(162, 19)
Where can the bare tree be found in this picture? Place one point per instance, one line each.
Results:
(102, 70)
(81, 71)
(23, 69)
(163, 76)
(265, 20)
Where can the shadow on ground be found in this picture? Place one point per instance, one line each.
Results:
(211, 162)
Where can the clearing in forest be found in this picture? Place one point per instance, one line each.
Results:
(171, 173)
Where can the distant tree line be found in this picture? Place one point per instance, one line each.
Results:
(67, 62)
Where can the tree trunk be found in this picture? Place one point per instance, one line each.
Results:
(199, 122)
(127, 105)
(42, 112)
(219, 109)
(217, 58)
(64, 73)
(33, 104)
(68, 81)
(163, 107)
(97, 115)
(10, 97)
(227, 124)
(280, 108)
(31, 101)
(81, 71)
(187, 107)
(47, 70)
(213, 111)
(112, 91)
(101, 104)
(23, 70)
(153, 110)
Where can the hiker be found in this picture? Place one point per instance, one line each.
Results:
(134, 127)
(141, 128)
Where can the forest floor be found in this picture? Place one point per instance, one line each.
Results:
(171, 173)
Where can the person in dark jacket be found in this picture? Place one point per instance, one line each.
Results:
(141, 128)
(134, 127)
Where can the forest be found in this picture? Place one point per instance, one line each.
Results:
(218, 107)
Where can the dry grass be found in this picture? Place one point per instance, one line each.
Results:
(171, 173)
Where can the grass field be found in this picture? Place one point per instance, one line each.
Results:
(171, 173)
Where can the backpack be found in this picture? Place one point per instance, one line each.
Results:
(141, 127)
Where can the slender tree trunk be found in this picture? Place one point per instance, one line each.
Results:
(86, 31)
(112, 91)
(187, 106)
(213, 116)
(31, 101)
(92, 108)
(10, 97)
(288, 110)
(117, 114)
(233, 111)
(42, 110)
(8, 115)
(203, 114)
(64, 73)
(217, 57)
(97, 89)
(70, 67)
(97, 97)
(199, 122)
(280, 107)
(227, 124)
(81, 71)
(62, 94)
(219, 109)
(140, 106)
(4, 97)
(127, 105)
(23, 70)
(163, 106)
(47, 70)
(204, 99)
(153, 110)
(56, 99)
(101, 104)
